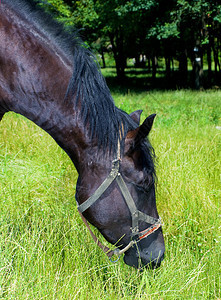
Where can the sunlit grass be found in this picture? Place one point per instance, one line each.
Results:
(46, 251)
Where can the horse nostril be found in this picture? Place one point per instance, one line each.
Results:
(146, 252)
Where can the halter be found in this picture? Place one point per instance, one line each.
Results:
(136, 215)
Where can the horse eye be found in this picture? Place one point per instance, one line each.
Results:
(145, 184)
(143, 189)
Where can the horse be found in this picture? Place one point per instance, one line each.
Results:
(48, 75)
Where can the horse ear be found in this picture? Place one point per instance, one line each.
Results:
(133, 137)
(136, 116)
(145, 128)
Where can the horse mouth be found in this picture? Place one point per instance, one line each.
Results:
(152, 263)
(142, 260)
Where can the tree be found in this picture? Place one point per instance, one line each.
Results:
(123, 23)
(195, 22)
(173, 29)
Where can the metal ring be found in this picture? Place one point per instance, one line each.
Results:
(114, 261)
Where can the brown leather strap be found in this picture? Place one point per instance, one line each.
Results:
(106, 250)
(143, 234)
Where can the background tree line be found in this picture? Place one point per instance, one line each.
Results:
(176, 30)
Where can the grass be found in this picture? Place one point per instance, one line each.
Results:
(46, 251)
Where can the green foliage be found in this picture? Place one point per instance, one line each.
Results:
(154, 28)
(168, 30)
(217, 14)
(135, 6)
(84, 14)
(58, 7)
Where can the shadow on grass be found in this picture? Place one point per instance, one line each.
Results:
(141, 80)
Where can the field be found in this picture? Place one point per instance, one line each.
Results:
(47, 253)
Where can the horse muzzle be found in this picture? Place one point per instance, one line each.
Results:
(150, 257)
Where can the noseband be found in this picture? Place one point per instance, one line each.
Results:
(136, 215)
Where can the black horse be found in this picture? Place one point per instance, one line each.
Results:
(50, 77)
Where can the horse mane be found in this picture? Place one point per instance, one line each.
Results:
(87, 87)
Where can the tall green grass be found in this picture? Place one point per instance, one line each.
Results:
(46, 251)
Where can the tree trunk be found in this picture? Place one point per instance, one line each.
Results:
(172, 61)
(120, 66)
(154, 66)
(103, 58)
(183, 68)
(168, 53)
(209, 53)
(149, 63)
(198, 71)
(198, 67)
(119, 57)
(137, 61)
(209, 61)
(216, 59)
(168, 68)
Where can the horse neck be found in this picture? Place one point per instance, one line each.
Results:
(34, 77)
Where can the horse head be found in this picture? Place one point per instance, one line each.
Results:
(108, 208)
